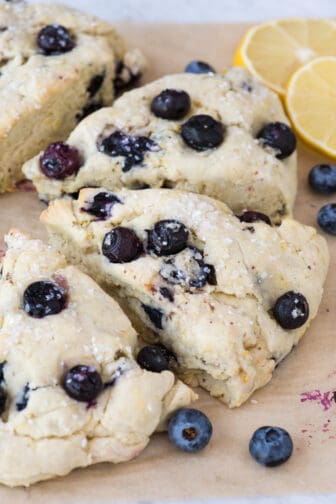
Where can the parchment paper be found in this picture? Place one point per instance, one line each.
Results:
(300, 397)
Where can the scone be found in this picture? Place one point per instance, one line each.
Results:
(229, 295)
(224, 136)
(71, 393)
(57, 66)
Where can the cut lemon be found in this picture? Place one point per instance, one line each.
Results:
(311, 103)
(273, 51)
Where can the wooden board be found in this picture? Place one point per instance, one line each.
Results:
(300, 397)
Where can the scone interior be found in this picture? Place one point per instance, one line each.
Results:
(44, 431)
(45, 93)
(129, 146)
(202, 280)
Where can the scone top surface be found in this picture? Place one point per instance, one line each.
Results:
(57, 66)
(205, 281)
(45, 430)
(129, 145)
(30, 73)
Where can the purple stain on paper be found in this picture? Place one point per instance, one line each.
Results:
(324, 399)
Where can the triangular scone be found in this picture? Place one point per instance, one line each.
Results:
(44, 95)
(240, 170)
(212, 300)
(43, 431)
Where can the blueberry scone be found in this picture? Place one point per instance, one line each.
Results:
(71, 393)
(57, 66)
(230, 295)
(224, 136)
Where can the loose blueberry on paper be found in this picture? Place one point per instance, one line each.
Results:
(271, 446)
(189, 430)
(199, 67)
(322, 178)
(326, 218)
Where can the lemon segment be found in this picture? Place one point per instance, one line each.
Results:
(311, 104)
(273, 51)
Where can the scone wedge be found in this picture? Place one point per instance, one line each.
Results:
(209, 134)
(71, 392)
(229, 295)
(57, 65)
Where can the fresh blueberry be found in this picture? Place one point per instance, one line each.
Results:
(83, 383)
(322, 178)
(202, 132)
(171, 104)
(188, 269)
(199, 67)
(291, 310)
(167, 294)
(132, 148)
(326, 218)
(55, 39)
(125, 78)
(95, 84)
(155, 315)
(88, 109)
(252, 216)
(156, 358)
(60, 161)
(189, 430)
(2, 376)
(167, 237)
(21, 404)
(121, 245)
(280, 137)
(41, 299)
(271, 446)
(3, 399)
(101, 204)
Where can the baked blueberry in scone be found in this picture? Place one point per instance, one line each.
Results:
(225, 136)
(71, 391)
(57, 66)
(229, 295)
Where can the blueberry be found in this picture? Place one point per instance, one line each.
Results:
(41, 299)
(156, 358)
(83, 383)
(171, 104)
(95, 84)
(101, 204)
(3, 399)
(280, 137)
(189, 430)
(322, 178)
(167, 294)
(23, 401)
(60, 161)
(326, 218)
(2, 376)
(121, 245)
(132, 148)
(125, 78)
(253, 216)
(202, 132)
(167, 237)
(271, 446)
(188, 269)
(55, 39)
(88, 109)
(155, 315)
(199, 67)
(291, 310)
